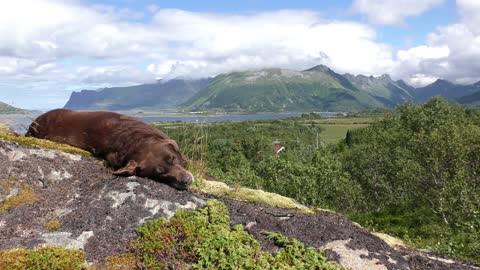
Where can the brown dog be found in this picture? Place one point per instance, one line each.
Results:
(128, 145)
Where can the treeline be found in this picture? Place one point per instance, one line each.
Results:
(414, 173)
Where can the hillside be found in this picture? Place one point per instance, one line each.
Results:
(273, 90)
(445, 89)
(471, 99)
(160, 95)
(383, 88)
(7, 109)
(64, 214)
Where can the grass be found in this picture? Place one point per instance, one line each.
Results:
(335, 129)
(334, 132)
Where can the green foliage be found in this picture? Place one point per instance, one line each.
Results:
(42, 258)
(416, 160)
(314, 179)
(423, 157)
(422, 228)
(203, 239)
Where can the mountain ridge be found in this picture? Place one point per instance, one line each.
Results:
(159, 95)
(8, 109)
(271, 90)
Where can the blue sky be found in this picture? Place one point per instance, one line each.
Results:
(63, 46)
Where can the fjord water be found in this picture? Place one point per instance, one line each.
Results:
(21, 122)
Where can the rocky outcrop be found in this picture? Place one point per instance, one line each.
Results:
(97, 212)
(48, 197)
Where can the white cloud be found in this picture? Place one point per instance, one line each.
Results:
(451, 53)
(64, 45)
(180, 43)
(296, 39)
(392, 11)
(470, 11)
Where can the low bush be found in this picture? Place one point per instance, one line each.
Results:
(203, 239)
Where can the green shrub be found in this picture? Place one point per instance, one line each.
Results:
(416, 159)
(316, 180)
(203, 239)
(422, 157)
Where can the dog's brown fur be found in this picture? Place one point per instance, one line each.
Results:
(129, 146)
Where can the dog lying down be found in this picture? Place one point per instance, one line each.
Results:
(128, 145)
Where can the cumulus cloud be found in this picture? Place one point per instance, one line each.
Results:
(208, 44)
(452, 52)
(46, 42)
(59, 46)
(392, 11)
(470, 11)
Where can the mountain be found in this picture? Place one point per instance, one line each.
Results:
(160, 95)
(445, 89)
(7, 109)
(471, 99)
(272, 90)
(383, 88)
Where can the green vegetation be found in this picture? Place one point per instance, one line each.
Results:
(203, 239)
(418, 170)
(390, 92)
(53, 225)
(42, 258)
(120, 262)
(274, 90)
(413, 173)
(24, 194)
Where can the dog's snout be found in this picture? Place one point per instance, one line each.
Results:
(188, 179)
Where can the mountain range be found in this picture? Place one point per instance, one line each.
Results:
(272, 90)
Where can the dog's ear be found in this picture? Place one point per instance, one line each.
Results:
(129, 169)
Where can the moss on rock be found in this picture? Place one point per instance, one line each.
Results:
(40, 143)
(42, 258)
(120, 262)
(53, 225)
(248, 195)
(18, 194)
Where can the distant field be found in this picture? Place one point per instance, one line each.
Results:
(336, 132)
(333, 129)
